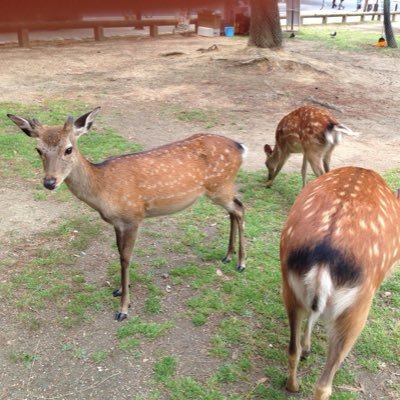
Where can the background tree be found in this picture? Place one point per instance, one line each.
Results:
(390, 39)
(265, 24)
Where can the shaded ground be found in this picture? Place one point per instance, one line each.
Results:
(153, 99)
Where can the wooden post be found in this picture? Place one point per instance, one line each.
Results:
(153, 30)
(98, 33)
(23, 37)
(344, 19)
(324, 19)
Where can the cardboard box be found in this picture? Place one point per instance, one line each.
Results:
(210, 32)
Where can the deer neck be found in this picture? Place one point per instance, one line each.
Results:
(83, 181)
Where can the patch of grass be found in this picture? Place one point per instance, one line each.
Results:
(208, 118)
(164, 368)
(20, 357)
(205, 117)
(136, 327)
(188, 389)
(129, 344)
(205, 304)
(99, 356)
(346, 39)
(152, 304)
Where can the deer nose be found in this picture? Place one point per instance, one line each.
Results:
(50, 183)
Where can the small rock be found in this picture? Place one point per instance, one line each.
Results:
(165, 275)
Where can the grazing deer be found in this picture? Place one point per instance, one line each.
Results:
(310, 130)
(341, 238)
(131, 187)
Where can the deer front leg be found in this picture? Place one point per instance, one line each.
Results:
(126, 236)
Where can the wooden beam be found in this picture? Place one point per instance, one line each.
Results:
(98, 33)
(23, 37)
(153, 30)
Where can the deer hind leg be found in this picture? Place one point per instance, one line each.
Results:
(304, 169)
(327, 158)
(316, 162)
(232, 239)
(126, 236)
(306, 340)
(295, 315)
(343, 334)
(235, 208)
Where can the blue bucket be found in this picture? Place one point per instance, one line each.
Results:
(229, 31)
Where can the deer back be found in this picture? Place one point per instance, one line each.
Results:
(346, 223)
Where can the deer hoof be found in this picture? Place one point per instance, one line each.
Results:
(240, 268)
(120, 316)
(226, 259)
(292, 387)
(117, 292)
(305, 354)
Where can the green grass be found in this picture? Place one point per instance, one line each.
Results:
(204, 117)
(241, 315)
(346, 39)
(164, 368)
(136, 327)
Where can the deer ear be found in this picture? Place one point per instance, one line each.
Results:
(27, 126)
(85, 122)
(267, 149)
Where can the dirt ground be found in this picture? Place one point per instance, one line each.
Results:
(141, 91)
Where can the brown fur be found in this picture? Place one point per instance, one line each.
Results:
(129, 188)
(304, 131)
(353, 211)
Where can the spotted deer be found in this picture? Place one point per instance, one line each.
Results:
(128, 188)
(340, 240)
(310, 130)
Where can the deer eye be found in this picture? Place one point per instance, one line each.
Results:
(39, 152)
(68, 151)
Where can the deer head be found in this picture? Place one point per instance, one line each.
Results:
(56, 145)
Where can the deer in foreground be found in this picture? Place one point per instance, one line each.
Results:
(310, 130)
(128, 188)
(340, 240)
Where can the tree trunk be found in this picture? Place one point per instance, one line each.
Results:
(265, 24)
(390, 39)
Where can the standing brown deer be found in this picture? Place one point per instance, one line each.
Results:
(310, 130)
(131, 187)
(340, 240)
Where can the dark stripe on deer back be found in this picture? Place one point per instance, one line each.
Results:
(342, 266)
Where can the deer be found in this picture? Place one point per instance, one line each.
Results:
(310, 130)
(340, 240)
(128, 188)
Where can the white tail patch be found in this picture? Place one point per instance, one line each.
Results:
(335, 136)
(341, 300)
(245, 151)
(314, 289)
